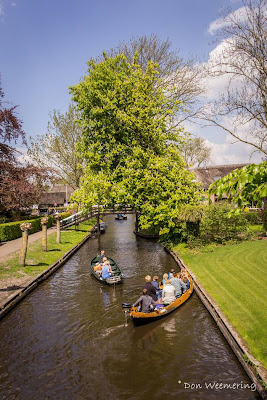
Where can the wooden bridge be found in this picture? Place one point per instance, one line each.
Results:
(96, 211)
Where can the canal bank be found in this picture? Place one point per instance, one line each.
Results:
(253, 367)
(15, 280)
(71, 337)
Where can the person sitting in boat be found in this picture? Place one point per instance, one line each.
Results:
(183, 284)
(172, 272)
(177, 285)
(146, 303)
(102, 255)
(165, 276)
(168, 292)
(156, 286)
(150, 288)
(186, 281)
(102, 259)
(106, 269)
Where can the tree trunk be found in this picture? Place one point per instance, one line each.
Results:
(57, 217)
(98, 223)
(136, 222)
(44, 223)
(23, 251)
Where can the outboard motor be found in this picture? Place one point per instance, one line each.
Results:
(126, 305)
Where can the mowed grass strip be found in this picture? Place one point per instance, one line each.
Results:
(38, 260)
(235, 277)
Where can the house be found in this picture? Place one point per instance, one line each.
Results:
(58, 195)
(207, 175)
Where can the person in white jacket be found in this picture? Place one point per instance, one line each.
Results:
(168, 292)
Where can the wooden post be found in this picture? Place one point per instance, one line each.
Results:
(25, 233)
(57, 218)
(44, 222)
(136, 222)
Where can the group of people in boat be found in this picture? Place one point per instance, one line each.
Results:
(172, 286)
(102, 267)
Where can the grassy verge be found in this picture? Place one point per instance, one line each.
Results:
(235, 277)
(38, 260)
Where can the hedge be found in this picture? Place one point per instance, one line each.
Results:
(12, 230)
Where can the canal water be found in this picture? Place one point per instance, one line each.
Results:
(69, 340)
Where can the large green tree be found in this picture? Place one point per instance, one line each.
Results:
(128, 141)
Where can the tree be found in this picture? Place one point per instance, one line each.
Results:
(243, 186)
(184, 77)
(20, 185)
(195, 151)
(241, 57)
(158, 187)
(131, 153)
(57, 148)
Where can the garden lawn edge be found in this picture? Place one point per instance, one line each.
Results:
(254, 369)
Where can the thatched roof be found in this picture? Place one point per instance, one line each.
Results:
(50, 199)
(58, 194)
(210, 174)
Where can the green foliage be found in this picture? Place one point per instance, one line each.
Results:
(253, 217)
(219, 225)
(122, 109)
(130, 147)
(243, 186)
(65, 215)
(10, 231)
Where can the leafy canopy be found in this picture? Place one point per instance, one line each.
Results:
(128, 141)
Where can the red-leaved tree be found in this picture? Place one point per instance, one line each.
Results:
(20, 185)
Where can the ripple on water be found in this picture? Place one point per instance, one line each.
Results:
(68, 338)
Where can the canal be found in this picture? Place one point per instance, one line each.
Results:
(68, 339)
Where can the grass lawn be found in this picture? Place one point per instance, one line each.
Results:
(235, 277)
(38, 260)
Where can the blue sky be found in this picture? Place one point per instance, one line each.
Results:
(45, 44)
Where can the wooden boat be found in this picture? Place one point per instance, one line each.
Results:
(117, 276)
(121, 216)
(140, 318)
(102, 227)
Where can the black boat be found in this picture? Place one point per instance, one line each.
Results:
(116, 277)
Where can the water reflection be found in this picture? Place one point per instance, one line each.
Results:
(68, 339)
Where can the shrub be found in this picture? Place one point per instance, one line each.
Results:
(218, 226)
(65, 214)
(12, 230)
(253, 218)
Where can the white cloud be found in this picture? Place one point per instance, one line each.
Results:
(240, 14)
(231, 152)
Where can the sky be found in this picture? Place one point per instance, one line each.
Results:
(45, 44)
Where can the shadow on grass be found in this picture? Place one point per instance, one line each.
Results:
(14, 287)
(53, 250)
(40, 264)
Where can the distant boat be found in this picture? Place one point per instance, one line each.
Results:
(117, 276)
(102, 227)
(140, 318)
(121, 216)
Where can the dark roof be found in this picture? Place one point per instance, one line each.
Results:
(50, 199)
(210, 174)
